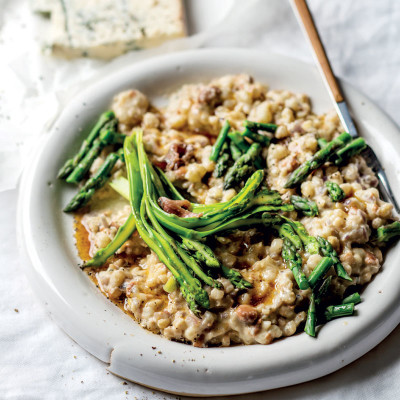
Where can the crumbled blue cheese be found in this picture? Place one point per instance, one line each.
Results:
(108, 28)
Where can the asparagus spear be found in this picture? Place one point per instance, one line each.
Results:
(97, 181)
(174, 194)
(180, 254)
(236, 278)
(216, 215)
(319, 271)
(256, 137)
(212, 215)
(286, 232)
(354, 298)
(205, 255)
(259, 216)
(238, 140)
(263, 197)
(341, 310)
(307, 207)
(266, 196)
(223, 162)
(235, 151)
(259, 126)
(310, 242)
(294, 262)
(259, 162)
(311, 321)
(335, 192)
(105, 138)
(328, 251)
(265, 215)
(71, 163)
(344, 154)
(317, 160)
(123, 234)
(192, 264)
(386, 233)
(202, 252)
(242, 167)
(323, 290)
(190, 287)
(244, 221)
(315, 301)
(216, 150)
(169, 185)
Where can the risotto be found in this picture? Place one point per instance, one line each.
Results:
(179, 138)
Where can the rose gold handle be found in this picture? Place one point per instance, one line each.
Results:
(309, 27)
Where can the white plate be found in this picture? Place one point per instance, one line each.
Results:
(46, 239)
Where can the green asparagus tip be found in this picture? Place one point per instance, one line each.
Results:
(242, 168)
(97, 181)
(306, 206)
(260, 126)
(317, 160)
(222, 165)
(256, 137)
(294, 261)
(236, 138)
(335, 191)
(344, 154)
(235, 151)
(386, 233)
(286, 231)
(105, 119)
(341, 272)
(236, 278)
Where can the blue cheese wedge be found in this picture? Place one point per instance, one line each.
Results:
(108, 28)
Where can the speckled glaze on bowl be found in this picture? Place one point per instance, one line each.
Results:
(51, 262)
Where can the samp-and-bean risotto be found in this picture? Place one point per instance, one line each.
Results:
(271, 228)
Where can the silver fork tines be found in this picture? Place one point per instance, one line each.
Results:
(307, 23)
(384, 187)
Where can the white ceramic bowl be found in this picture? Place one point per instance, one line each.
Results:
(46, 241)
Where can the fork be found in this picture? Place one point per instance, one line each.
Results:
(306, 22)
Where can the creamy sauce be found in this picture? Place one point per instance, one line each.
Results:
(266, 299)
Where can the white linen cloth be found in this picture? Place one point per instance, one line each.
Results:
(37, 359)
